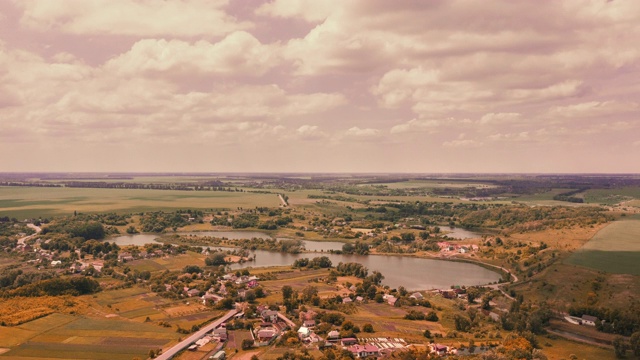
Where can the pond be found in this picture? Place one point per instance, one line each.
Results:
(412, 273)
(459, 233)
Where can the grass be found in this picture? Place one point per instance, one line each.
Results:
(22, 202)
(559, 348)
(614, 249)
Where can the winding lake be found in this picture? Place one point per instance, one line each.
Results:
(412, 273)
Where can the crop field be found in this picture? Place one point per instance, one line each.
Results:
(614, 249)
(24, 202)
(612, 196)
(74, 337)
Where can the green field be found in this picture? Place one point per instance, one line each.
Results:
(612, 196)
(614, 249)
(73, 337)
(25, 202)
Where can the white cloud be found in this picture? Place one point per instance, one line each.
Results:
(415, 125)
(310, 132)
(309, 10)
(362, 133)
(462, 143)
(499, 118)
(134, 18)
(515, 137)
(237, 54)
(593, 109)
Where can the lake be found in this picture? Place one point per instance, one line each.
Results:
(412, 273)
(458, 233)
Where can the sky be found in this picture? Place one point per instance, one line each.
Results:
(320, 86)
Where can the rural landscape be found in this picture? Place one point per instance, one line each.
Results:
(319, 266)
(319, 180)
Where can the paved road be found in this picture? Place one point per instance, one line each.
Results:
(166, 355)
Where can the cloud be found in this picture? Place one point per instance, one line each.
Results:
(309, 10)
(310, 132)
(362, 133)
(132, 18)
(239, 53)
(415, 125)
(499, 118)
(523, 136)
(593, 109)
(462, 143)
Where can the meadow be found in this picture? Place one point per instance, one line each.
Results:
(26, 202)
(614, 249)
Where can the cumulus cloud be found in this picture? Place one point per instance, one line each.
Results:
(309, 10)
(290, 71)
(499, 118)
(133, 18)
(362, 133)
(310, 132)
(415, 125)
(239, 53)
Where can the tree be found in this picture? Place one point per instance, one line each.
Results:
(431, 316)
(619, 346)
(462, 323)
(634, 343)
(287, 292)
(368, 328)
(216, 259)
(427, 334)
(247, 344)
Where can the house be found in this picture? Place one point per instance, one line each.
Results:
(362, 351)
(193, 292)
(416, 296)
(439, 349)
(392, 300)
(348, 341)
(269, 315)
(346, 300)
(210, 298)
(220, 333)
(265, 336)
(304, 332)
(359, 299)
(252, 283)
(589, 320)
(333, 334)
(56, 262)
(309, 323)
(125, 256)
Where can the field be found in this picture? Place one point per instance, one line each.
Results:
(61, 336)
(24, 202)
(614, 249)
(612, 196)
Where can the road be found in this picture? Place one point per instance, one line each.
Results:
(168, 354)
(34, 227)
(284, 203)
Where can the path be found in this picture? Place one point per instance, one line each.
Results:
(284, 203)
(168, 354)
(37, 229)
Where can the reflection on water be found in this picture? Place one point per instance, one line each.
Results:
(412, 273)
